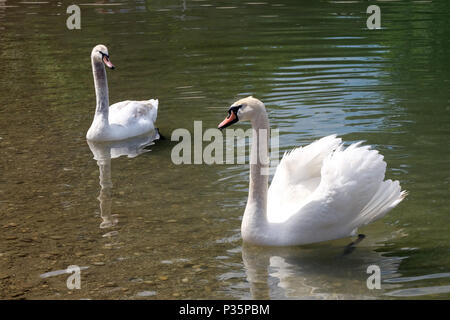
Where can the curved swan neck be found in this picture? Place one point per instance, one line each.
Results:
(101, 88)
(255, 212)
(259, 159)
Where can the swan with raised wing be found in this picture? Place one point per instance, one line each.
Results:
(121, 120)
(319, 192)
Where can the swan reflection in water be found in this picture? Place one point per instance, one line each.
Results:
(321, 271)
(105, 151)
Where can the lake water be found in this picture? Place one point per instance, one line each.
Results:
(150, 229)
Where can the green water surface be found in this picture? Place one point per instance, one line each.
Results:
(163, 231)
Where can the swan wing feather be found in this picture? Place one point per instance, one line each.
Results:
(351, 194)
(296, 177)
(126, 112)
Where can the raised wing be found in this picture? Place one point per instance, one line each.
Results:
(297, 176)
(351, 193)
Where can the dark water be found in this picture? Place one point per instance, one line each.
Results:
(153, 229)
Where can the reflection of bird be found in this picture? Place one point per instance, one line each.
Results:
(319, 192)
(105, 151)
(105, 197)
(122, 120)
(314, 272)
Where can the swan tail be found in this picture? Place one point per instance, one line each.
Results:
(387, 197)
(154, 103)
(352, 182)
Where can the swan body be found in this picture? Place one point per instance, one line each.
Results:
(319, 192)
(126, 119)
(121, 120)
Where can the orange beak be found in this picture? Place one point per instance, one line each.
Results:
(108, 62)
(232, 118)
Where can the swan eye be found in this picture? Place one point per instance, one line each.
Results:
(234, 109)
(104, 54)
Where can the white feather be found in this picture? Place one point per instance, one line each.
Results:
(347, 193)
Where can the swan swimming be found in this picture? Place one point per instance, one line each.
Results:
(319, 192)
(122, 120)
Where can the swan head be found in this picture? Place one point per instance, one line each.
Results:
(245, 109)
(100, 54)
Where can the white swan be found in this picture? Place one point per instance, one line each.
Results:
(319, 192)
(122, 120)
